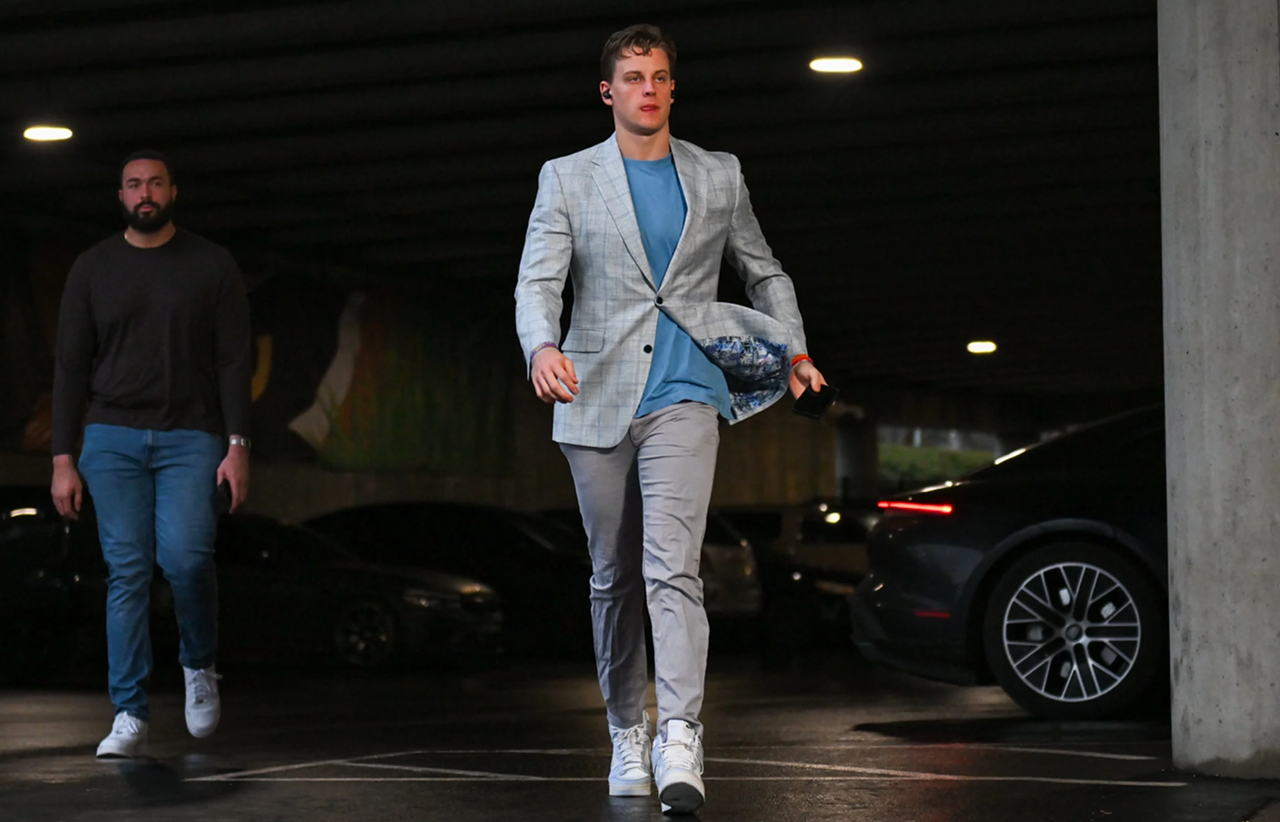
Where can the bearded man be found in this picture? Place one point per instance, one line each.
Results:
(153, 338)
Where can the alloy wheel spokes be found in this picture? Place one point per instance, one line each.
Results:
(364, 637)
(1072, 632)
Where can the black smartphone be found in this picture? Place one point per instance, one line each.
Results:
(813, 404)
(224, 497)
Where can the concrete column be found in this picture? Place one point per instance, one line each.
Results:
(1220, 192)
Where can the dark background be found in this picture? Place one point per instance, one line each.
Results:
(991, 174)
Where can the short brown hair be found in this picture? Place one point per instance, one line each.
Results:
(148, 154)
(641, 38)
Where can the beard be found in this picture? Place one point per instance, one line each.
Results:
(149, 223)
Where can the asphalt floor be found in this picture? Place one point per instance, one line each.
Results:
(814, 736)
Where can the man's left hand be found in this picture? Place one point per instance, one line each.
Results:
(235, 470)
(803, 376)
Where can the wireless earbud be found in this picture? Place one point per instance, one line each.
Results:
(606, 95)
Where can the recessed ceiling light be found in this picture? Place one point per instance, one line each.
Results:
(45, 134)
(982, 347)
(836, 65)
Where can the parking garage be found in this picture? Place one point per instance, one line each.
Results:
(1013, 222)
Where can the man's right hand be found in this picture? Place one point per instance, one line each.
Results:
(553, 376)
(67, 489)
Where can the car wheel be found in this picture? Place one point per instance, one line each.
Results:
(1074, 631)
(365, 635)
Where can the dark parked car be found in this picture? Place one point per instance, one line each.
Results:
(284, 594)
(541, 575)
(809, 559)
(288, 593)
(52, 585)
(1045, 572)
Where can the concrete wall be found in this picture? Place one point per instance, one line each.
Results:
(1220, 157)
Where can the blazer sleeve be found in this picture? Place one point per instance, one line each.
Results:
(544, 265)
(769, 289)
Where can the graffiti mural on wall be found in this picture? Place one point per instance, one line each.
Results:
(406, 385)
(387, 379)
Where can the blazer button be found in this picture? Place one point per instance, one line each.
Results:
(658, 301)
(648, 349)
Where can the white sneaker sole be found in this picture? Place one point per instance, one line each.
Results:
(201, 726)
(681, 797)
(106, 751)
(630, 787)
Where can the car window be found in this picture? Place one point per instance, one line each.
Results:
(553, 536)
(36, 543)
(1094, 448)
(380, 534)
(25, 528)
(300, 546)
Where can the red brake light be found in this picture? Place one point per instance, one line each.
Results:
(919, 507)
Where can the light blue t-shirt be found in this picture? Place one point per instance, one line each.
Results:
(679, 371)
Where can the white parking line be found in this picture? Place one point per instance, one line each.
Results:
(854, 746)
(979, 746)
(226, 777)
(847, 772)
(1058, 752)
(908, 775)
(924, 777)
(507, 777)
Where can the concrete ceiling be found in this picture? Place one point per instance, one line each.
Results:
(993, 173)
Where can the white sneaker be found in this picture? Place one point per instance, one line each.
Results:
(629, 772)
(128, 737)
(204, 706)
(677, 768)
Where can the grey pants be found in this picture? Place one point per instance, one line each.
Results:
(644, 505)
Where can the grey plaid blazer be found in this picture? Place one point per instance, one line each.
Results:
(584, 226)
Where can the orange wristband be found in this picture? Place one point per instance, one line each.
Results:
(799, 358)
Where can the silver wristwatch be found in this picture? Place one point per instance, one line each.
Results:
(243, 442)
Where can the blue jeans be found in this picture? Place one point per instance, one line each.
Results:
(155, 494)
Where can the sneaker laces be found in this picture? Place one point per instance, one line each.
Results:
(126, 725)
(630, 746)
(680, 755)
(200, 686)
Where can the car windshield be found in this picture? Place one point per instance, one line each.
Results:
(316, 547)
(254, 540)
(552, 536)
(455, 535)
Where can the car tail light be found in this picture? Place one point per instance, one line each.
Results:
(916, 507)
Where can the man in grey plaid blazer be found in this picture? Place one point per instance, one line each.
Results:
(650, 365)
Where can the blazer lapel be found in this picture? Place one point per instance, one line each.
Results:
(694, 182)
(611, 178)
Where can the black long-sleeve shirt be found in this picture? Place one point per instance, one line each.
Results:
(153, 338)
